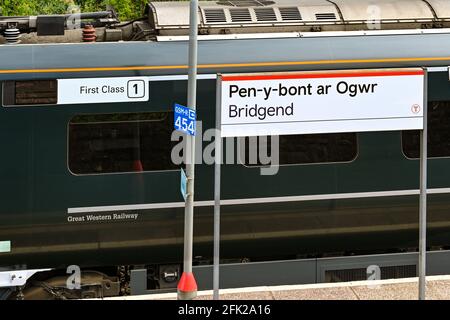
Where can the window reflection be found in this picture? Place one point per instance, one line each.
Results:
(112, 143)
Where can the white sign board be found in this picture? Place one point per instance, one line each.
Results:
(321, 102)
(103, 90)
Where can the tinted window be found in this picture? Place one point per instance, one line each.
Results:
(35, 92)
(130, 142)
(438, 133)
(304, 149)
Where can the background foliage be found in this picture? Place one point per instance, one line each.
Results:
(127, 9)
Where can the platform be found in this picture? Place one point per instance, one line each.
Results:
(438, 288)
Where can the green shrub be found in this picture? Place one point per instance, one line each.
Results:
(127, 9)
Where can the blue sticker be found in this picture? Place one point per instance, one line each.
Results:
(185, 119)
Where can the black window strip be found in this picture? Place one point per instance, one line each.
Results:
(438, 133)
(30, 92)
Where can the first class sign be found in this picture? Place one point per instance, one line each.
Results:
(321, 102)
(103, 90)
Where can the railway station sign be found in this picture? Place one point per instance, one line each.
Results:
(287, 103)
(184, 119)
(321, 102)
(103, 90)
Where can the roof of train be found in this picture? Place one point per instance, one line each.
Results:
(277, 54)
(231, 53)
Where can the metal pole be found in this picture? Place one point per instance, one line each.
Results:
(423, 195)
(217, 166)
(187, 288)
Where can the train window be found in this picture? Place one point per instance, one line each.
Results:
(34, 92)
(438, 133)
(306, 149)
(122, 142)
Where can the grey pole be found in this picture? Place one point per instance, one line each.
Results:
(423, 195)
(190, 153)
(217, 166)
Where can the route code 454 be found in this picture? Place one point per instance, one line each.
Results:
(226, 309)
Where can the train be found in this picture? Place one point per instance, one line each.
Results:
(93, 185)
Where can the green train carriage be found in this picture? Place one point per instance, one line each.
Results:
(93, 185)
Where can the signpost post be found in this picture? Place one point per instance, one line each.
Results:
(217, 164)
(187, 287)
(423, 196)
(323, 102)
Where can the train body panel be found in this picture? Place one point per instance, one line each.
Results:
(302, 206)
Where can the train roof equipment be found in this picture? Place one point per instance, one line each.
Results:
(237, 17)
(253, 16)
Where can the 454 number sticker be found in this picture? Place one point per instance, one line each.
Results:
(184, 119)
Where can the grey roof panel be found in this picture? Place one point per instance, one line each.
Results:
(217, 52)
(369, 10)
(170, 13)
(441, 7)
(229, 13)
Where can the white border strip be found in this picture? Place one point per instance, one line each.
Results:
(305, 34)
(437, 69)
(209, 203)
(181, 77)
(214, 76)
